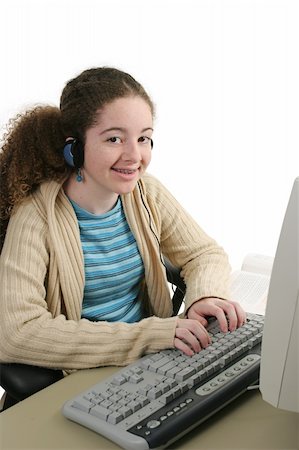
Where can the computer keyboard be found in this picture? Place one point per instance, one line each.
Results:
(160, 397)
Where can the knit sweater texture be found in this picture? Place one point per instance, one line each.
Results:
(42, 280)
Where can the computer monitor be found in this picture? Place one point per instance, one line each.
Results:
(279, 370)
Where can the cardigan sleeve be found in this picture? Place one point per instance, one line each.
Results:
(204, 264)
(34, 332)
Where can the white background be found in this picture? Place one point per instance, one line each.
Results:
(223, 75)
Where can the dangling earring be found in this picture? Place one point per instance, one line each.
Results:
(79, 177)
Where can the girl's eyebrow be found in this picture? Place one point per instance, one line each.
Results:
(123, 130)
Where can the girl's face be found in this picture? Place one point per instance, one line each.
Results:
(117, 149)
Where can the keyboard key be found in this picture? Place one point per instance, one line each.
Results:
(168, 397)
(83, 404)
(184, 374)
(100, 412)
(164, 369)
(125, 411)
(135, 378)
(154, 393)
(115, 417)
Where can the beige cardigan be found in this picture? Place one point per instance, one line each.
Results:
(42, 280)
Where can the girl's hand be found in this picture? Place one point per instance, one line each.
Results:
(229, 314)
(190, 336)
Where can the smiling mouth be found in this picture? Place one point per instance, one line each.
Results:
(125, 171)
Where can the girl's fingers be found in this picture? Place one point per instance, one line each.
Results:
(191, 336)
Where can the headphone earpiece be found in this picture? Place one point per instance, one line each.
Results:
(73, 153)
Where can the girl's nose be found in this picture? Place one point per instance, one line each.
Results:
(132, 152)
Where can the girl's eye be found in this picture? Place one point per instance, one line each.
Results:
(114, 140)
(144, 140)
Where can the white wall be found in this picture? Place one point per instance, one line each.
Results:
(223, 74)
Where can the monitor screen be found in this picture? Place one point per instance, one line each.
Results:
(279, 375)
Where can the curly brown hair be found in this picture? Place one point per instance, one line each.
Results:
(31, 152)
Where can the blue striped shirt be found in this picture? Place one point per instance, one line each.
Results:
(113, 266)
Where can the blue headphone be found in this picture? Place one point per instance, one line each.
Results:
(73, 153)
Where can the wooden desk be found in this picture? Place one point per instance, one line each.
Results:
(248, 423)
